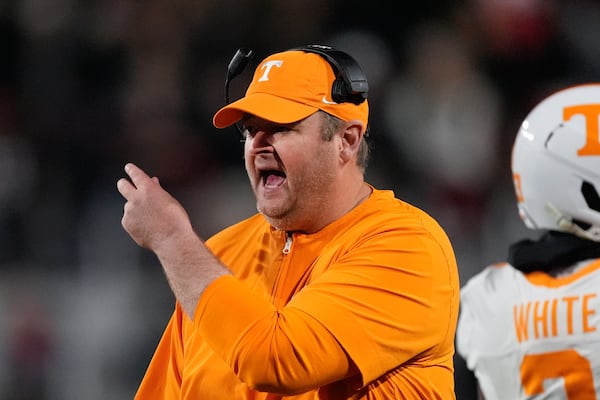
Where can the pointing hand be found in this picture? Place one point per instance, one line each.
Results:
(151, 215)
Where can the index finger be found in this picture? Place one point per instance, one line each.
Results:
(137, 175)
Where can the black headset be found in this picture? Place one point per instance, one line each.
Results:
(350, 85)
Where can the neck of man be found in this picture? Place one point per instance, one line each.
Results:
(312, 221)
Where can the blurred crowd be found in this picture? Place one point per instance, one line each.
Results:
(86, 86)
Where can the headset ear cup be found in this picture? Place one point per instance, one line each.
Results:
(339, 93)
(350, 85)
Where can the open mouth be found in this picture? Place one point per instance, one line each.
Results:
(272, 178)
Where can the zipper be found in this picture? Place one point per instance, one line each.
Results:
(288, 244)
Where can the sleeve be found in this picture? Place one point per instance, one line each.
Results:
(485, 336)
(162, 379)
(482, 322)
(464, 330)
(473, 328)
(270, 350)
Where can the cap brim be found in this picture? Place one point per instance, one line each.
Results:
(266, 106)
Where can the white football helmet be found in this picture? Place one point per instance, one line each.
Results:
(556, 163)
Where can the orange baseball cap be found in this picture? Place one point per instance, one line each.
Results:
(287, 87)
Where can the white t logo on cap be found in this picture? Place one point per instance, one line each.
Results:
(267, 67)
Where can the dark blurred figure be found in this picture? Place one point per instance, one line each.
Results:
(30, 351)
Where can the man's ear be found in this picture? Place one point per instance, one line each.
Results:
(351, 138)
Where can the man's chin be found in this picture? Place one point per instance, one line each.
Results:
(275, 215)
(270, 211)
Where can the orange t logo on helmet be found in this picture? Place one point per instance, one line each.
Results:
(591, 112)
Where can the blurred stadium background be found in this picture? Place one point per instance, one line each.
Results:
(86, 86)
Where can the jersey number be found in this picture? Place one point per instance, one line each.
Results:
(568, 364)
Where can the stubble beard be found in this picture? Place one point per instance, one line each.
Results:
(306, 198)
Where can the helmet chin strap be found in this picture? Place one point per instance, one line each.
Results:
(566, 225)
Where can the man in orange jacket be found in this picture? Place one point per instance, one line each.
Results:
(333, 290)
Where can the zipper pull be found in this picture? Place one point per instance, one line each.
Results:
(288, 244)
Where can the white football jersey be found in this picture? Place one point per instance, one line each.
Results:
(532, 336)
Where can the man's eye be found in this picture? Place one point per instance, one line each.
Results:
(250, 131)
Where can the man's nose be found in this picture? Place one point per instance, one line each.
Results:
(261, 138)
